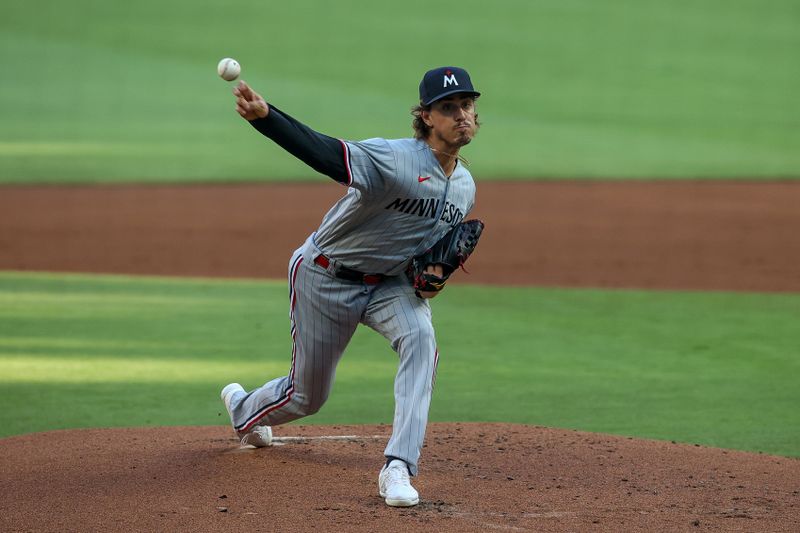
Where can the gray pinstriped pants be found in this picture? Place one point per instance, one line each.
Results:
(325, 312)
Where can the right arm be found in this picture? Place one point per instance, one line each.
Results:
(321, 152)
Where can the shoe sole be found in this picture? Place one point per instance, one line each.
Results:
(258, 439)
(399, 503)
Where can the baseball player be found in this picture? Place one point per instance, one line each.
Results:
(402, 197)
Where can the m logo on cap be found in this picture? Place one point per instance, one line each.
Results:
(444, 81)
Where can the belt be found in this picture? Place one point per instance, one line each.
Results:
(348, 273)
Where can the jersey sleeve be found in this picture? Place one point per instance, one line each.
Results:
(370, 164)
(471, 204)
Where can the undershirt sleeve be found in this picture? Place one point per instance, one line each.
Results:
(324, 154)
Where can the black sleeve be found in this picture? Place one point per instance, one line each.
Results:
(324, 154)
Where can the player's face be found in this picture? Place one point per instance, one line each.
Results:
(453, 120)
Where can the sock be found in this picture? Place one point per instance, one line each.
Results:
(390, 458)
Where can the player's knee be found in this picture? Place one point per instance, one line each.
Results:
(420, 336)
(308, 405)
(424, 332)
(309, 409)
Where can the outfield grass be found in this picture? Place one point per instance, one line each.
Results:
(713, 368)
(127, 91)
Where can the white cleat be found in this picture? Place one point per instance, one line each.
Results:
(259, 436)
(394, 484)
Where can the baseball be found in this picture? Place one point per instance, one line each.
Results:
(228, 69)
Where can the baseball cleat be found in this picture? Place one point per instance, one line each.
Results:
(259, 436)
(394, 484)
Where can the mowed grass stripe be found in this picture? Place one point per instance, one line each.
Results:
(713, 368)
(621, 88)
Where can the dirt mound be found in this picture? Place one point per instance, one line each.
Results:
(474, 477)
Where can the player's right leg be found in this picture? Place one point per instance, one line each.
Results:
(324, 312)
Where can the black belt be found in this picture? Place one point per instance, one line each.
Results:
(348, 273)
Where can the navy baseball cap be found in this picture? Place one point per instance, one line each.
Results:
(444, 81)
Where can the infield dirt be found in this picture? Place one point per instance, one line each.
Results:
(661, 235)
(474, 477)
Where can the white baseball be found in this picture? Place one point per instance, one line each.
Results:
(228, 69)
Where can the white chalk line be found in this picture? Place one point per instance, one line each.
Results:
(279, 441)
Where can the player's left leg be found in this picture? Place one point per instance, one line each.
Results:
(405, 320)
(325, 312)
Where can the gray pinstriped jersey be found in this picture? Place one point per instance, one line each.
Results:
(399, 203)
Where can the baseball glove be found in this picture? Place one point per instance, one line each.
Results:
(451, 252)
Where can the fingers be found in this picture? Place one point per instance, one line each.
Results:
(243, 90)
(436, 270)
(249, 104)
(251, 110)
(242, 105)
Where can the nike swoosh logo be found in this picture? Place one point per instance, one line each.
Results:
(421, 179)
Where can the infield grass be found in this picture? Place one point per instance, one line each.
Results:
(718, 369)
(96, 91)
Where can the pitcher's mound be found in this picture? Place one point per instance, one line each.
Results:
(474, 477)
